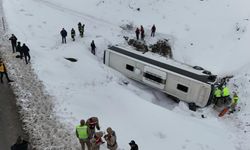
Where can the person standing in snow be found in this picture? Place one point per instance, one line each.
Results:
(73, 34)
(26, 53)
(93, 47)
(82, 133)
(153, 29)
(93, 123)
(83, 27)
(142, 33)
(63, 34)
(110, 137)
(226, 95)
(217, 96)
(133, 145)
(3, 71)
(96, 141)
(234, 102)
(19, 49)
(79, 28)
(13, 40)
(137, 32)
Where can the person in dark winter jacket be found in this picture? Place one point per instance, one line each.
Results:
(153, 29)
(93, 123)
(142, 33)
(20, 144)
(133, 145)
(3, 71)
(63, 34)
(73, 34)
(13, 40)
(19, 49)
(79, 28)
(93, 47)
(81, 32)
(83, 26)
(26, 54)
(137, 32)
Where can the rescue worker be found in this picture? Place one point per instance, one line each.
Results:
(110, 137)
(217, 96)
(73, 34)
(142, 33)
(83, 26)
(13, 40)
(93, 47)
(93, 123)
(79, 28)
(3, 71)
(26, 53)
(81, 31)
(82, 133)
(63, 34)
(19, 49)
(234, 103)
(226, 95)
(153, 29)
(133, 145)
(20, 144)
(137, 32)
(96, 141)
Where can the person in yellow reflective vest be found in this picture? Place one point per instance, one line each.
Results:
(234, 103)
(226, 95)
(83, 134)
(3, 71)
(217, 96)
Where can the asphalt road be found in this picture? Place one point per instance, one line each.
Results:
(10, 125)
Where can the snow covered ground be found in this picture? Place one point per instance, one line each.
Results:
(212, 34)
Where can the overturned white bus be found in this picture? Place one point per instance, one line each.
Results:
(193, 85)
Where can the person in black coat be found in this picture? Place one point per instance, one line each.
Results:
(26, 54)
(93, 47)
(63, 34)
(142, 33)
(137, 32)
(73, 34)
(13, 40)
(79, 27)
(19, 49)
(133, 145)
(20, 144)
(153, 29)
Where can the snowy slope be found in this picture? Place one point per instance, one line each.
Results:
(89, 88)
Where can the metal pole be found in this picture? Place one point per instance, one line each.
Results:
(3, 24)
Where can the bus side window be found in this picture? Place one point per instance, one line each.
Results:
(129, 67)
(182, 88)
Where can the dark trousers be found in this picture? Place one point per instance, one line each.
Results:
(81, 33)
(93, 51)
(152, 34)
(137, 36)
(73, 37)
(27, 58)
(6, 75)
(13, 47)
(63, 39)
(83, 142)
(142, 36)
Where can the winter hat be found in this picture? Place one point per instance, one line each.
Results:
(131, 142)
